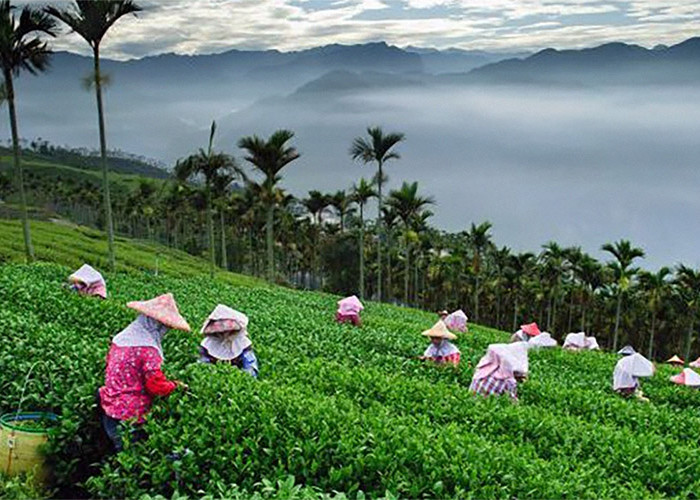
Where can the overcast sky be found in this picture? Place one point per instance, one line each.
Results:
(205, 26)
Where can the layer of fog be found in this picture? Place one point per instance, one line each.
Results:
(581, 167)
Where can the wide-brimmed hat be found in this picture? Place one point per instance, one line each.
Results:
(224, 319)
(350, 305)
(443, 313)
(439, 330)
(87, 275)
(687, 377)
(162, 308)
(675, 360)
(628, 350)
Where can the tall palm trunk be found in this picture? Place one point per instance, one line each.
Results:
(380, 232)
(651, 335)
(224, 257)
(269, 236)
(689, 337)
(28, 247)
(617, 320)
(210, 233)
(515, 314)
(103, 155)
(476, 298)
(571, 312)
(407, 274)
(362, 251)
(390, 284)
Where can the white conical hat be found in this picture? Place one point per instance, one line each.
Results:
(577, 340)
(543, 340)
(637, 365)
(86, 274)
(687, 377)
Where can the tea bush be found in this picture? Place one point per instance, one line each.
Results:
(337, 411)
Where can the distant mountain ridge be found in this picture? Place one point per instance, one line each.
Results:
(616, 63)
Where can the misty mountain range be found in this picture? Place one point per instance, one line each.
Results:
(578, 146)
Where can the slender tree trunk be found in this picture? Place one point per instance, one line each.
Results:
(210, 233)
(269, 231)
(571, 312)
(407, 274)
(515, 314)
(617, 320)
(380, 231)
(689, 338)
(103, 154)
(390, 285)
(549, 312)
(498, 306)
(476, 297)
(362, 252)
(555, 299)
(28, 247)
(224, 256)
(651, 335)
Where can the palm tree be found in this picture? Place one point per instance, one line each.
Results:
(270, 157)
(625, 254)
(409, 207)
(517, 271)
(362, 192)
(553, 257)
(91, 19)
(688, 281)
(655, 286)
(21, 50)
(590, 274)
(479, 239)
(217, 169)
(377, 148)
(315, 204)
(342, 204)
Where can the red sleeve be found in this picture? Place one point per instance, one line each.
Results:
(158, 385)
(156, 382)
(453, 358)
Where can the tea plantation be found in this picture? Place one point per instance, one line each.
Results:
(337, 411)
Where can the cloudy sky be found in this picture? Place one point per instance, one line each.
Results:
(205, 26)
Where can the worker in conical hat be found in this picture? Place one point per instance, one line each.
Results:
(226, 340)
(441, 350)
(133, 377)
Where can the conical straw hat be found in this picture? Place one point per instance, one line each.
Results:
(675, 360)
(440, 330)
(162, 308)
(696, 363)
(637, 365)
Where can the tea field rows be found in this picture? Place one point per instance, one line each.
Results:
(337, 408)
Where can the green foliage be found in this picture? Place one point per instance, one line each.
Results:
(22, 487)
(336, 408)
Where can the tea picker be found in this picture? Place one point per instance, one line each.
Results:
(626, 375)
(349, 310)
(226, 340)
(500, 370)
(441, 350)
(133, 376)
(88, 281)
